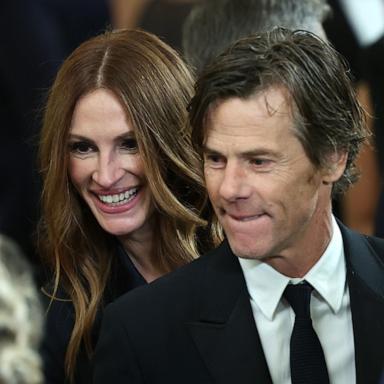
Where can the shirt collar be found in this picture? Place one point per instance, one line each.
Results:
(328, 275)
(266, 285)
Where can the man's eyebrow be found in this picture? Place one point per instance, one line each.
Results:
(206, 149)
(258, 152)
(246, 154)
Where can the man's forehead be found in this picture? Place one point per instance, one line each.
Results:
(273, 101)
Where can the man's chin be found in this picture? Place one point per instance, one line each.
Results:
(245, 252)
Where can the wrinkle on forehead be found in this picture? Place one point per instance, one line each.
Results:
(276, 100)
(271, 101)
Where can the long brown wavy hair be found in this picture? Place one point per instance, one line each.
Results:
(154, 87)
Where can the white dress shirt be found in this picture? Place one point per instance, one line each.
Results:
(330, 312)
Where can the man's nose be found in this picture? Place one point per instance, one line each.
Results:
(234, 184)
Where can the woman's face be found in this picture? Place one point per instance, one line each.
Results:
(106, 167)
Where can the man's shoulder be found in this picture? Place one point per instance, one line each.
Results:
(365, 260)
(370, 244)
(179, 288)
(377, 244)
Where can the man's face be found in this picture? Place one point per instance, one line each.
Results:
(266, 193)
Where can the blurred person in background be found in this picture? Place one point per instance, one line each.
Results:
(21, 318)
(164, 18)
(122, 186)
(213, 25)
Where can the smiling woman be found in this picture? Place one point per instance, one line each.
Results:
(107, 170)
(122, 186)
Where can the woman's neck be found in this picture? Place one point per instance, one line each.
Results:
(140, 248)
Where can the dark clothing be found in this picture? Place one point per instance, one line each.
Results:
(379, 224)
(196, 324)
(60, 321)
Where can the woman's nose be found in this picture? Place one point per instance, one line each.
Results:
(108, 171)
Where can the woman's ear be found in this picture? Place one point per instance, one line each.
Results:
(336, 165)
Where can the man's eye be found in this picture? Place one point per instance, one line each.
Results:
(80, 147)
(260, 162)
(129, 145)
(214, 160)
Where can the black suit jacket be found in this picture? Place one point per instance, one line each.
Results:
(196, 324)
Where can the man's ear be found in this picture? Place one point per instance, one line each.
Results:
(335, 168)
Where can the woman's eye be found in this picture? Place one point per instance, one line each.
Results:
(129, 145)
(80, 147)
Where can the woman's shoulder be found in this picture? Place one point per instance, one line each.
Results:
(52, 293)
(59, 313)
(54, 297)
(59, 322)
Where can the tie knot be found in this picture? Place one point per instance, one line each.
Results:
(299, 298)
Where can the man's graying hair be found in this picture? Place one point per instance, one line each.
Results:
(328, 117)
(213, 25)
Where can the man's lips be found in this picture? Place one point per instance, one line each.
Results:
(242, 217)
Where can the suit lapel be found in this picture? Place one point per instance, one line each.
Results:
(365, 275)
(226, 335)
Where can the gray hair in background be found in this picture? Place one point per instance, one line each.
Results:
(213, 25)
(21, 318)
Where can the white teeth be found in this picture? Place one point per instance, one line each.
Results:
(120, 198)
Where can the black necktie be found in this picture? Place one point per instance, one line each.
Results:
(306, 357)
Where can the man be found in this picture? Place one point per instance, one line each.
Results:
(213, 25)
(279, 128)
